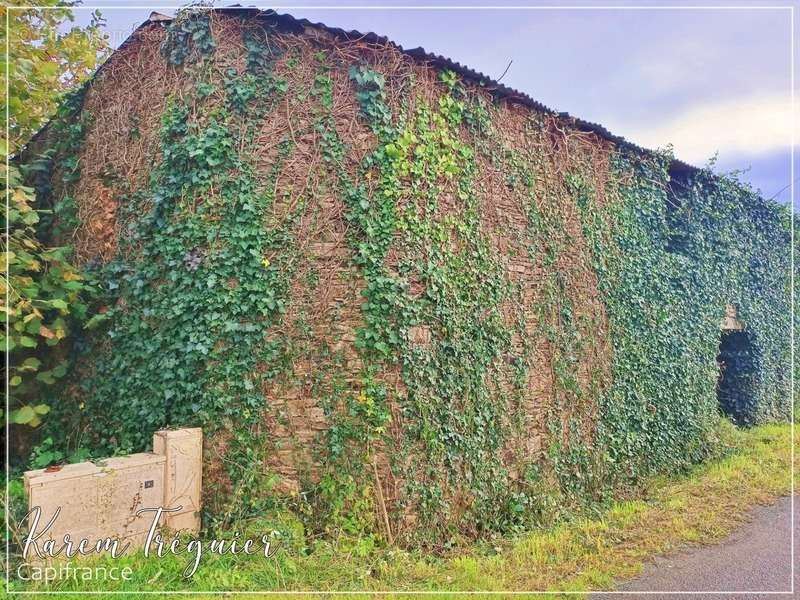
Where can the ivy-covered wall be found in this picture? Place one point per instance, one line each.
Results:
(400, 305)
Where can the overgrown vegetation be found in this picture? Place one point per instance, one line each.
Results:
(196, 238)
(713, 242)
(503, 373)
(47, 296)
(581, 554)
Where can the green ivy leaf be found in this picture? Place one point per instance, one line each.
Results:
(22, 415)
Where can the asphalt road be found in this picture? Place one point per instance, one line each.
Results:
(756, 558)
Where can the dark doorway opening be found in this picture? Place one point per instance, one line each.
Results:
(736, 385)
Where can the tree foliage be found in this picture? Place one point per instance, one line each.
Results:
(45, 292)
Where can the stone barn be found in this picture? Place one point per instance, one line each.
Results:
(400, 298)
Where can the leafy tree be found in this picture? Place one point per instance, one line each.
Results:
(42, 293)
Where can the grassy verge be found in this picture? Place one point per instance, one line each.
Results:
(700, 507)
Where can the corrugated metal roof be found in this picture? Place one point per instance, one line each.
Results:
(288, 22)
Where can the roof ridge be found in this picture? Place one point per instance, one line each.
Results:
(419, 53)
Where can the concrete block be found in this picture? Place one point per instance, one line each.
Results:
(183, 450)
(97, 500)
(100, 500)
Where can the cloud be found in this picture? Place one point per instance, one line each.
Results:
(744, 126)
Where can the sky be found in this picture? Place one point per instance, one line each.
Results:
(710, 81)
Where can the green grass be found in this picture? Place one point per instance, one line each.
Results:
(583, 554)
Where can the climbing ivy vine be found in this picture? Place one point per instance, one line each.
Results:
(668, 264)
(200, 276)
(194, 330)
